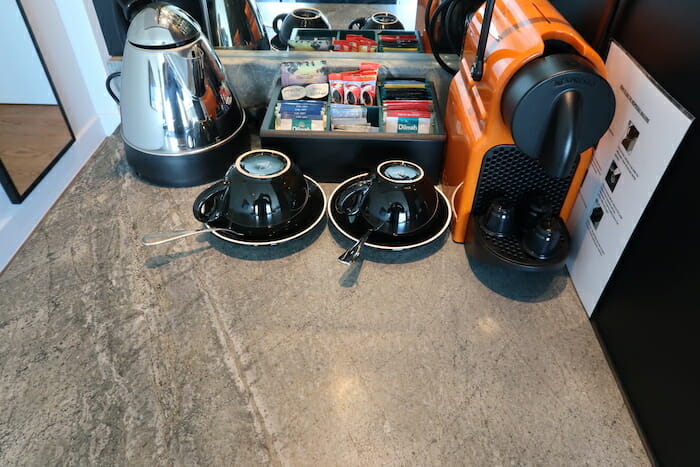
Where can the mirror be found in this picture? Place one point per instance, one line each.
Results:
(233, 24)
(34, 131)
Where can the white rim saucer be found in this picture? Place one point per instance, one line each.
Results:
(322, 213)
(443, 228)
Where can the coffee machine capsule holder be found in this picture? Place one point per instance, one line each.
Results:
(527, 105)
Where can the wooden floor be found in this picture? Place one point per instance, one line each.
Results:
(30, 138)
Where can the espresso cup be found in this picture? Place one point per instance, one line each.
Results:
(261, 192)
(380, 20)
(284, 23)
(397, 198)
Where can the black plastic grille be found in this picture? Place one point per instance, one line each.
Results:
(507, 171)
(509, 247)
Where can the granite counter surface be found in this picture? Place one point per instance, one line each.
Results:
(201, 352)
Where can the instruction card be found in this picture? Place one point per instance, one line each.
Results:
(627, 165)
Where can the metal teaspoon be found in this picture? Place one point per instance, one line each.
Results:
(164, 237)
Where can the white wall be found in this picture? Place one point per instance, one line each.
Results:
(23, 80)
(69, 37)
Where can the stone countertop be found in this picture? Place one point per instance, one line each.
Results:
(201, 352)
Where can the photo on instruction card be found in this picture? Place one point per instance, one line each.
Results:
(596, 214)
(613, 176)
(630, 137)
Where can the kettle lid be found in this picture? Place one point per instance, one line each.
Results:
(161, 25)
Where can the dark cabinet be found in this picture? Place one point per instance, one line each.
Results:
(648, 318)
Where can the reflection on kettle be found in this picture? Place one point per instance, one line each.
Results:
(262, 207)
(181, 122)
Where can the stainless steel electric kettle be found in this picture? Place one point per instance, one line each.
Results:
(181, 122)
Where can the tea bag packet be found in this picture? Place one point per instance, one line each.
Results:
(407, 106)
(355, 43)
(315, 44)
(398, 42)
(304, 92)
(359, 86)
(348, 111)
(352, 90)
(304, 80)
(303, 72)
(406, 121)
(351, 93)
(300, 115)
(350, 118)
(368, 87)
(335, 80)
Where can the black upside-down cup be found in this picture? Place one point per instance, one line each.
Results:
(380, 20)
(398, 198)
(261, 192)
(284, 23)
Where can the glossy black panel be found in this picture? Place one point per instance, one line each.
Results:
(588, 17)
(648, 317)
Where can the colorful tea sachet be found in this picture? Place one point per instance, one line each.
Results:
(407, 107)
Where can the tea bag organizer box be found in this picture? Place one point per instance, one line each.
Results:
(301, 39)
(333, 156)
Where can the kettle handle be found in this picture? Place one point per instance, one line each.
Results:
(108, 85)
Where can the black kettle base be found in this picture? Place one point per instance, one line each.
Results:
(187, 170)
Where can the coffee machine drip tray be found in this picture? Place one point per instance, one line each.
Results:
(509, 251)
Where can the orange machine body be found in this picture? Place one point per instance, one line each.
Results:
(473, 118)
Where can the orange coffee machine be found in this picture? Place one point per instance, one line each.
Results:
(523, 112)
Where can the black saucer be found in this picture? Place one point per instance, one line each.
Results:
(305, 221)
(276, 44)
(353, 227)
